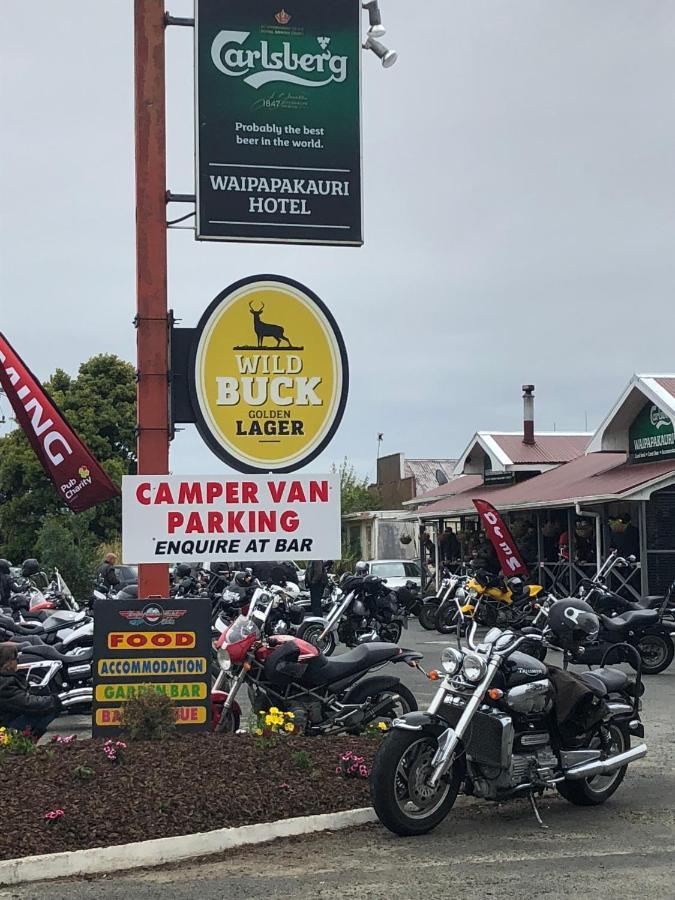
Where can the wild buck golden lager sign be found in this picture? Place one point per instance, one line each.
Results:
(268, 375)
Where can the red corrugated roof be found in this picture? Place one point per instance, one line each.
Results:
(597, 475)
(456, 485)
(547, 448)
(668, 384)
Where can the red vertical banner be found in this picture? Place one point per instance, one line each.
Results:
(78, 477)
(502, 540)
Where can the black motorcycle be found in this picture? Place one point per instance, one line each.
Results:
(367, 610)
(503, 725)
(642, 629)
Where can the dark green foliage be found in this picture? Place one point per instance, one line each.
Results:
(150, 716)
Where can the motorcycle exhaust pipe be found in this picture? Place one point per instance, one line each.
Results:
(76, 697)
(606, 766)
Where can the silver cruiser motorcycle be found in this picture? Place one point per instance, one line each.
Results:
(502, 724)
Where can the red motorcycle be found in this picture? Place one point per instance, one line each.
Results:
(325, 695)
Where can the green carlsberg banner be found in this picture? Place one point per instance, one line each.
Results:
(278, 120)
(651, 435)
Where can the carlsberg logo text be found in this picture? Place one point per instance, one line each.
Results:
(262, 66)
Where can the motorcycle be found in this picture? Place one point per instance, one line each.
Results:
(326, 696)
(495, 730)
(428, 612)
(365, 611)
(67, 675)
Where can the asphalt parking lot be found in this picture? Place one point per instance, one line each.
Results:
(624, 849)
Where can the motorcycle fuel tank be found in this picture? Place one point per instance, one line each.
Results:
(519, 668)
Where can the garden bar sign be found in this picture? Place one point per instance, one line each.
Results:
(651, 436)
(278, 129)
(219, 519)
(265, 378)
(164, 644)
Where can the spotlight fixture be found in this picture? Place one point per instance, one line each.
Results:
(387, 56)
(375, 18)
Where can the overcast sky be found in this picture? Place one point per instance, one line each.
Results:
(519, 164)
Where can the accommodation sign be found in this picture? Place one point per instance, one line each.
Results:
(268, 375)
(278, 129)
(652, 435)
(163, 645)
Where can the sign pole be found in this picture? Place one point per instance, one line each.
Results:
(151, 259)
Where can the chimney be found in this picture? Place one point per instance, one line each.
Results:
(528, 414)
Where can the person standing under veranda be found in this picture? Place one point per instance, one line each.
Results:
(316, 580)
(107, 575)
(19, 709)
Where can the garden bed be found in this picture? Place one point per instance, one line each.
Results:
(178, 786)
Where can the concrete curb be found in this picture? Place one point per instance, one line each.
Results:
(100, 860)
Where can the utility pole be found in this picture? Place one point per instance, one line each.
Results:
(151, 260)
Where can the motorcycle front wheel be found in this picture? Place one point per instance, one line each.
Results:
(311, 632)
(403, 801)
(427, 616)
(446, 619)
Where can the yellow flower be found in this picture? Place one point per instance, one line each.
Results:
(274, 710)
(289, 726)
(258, 731)
(382, 726)
(290, 715)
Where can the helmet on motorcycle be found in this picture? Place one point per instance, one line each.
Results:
(296, 613)
(361, 568)
(130, 592)
(5, 566)
(573, 622)
(29, 568)
(183, 570)
(243, 579)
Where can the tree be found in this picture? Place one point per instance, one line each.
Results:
(100, 405)
(354, 491)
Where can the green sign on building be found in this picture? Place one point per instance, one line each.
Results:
(651, 435)
(278, 120)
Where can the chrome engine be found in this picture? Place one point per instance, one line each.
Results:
(536, 767)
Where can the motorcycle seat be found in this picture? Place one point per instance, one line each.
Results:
(653, 601)
(640, 618)
(611, 680)
(322, 669)
(45, 652)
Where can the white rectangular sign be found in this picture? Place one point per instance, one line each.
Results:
(184, 518)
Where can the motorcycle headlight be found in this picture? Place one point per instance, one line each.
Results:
(460, 593)
(224, 660)
(474, 667)
(451, 660)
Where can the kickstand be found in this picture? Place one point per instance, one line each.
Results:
(535, 810)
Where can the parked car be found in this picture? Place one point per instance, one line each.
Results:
(396, 571)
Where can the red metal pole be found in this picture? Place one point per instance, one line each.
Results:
(151, 260)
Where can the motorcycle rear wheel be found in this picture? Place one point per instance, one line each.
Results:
(407, 808)
(656, 652)
(594, 791)
(427, 615)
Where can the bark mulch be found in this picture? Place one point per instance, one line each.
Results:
(180, 786)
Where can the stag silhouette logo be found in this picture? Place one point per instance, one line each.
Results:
(266, 329)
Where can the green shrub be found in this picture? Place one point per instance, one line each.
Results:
(149, 716)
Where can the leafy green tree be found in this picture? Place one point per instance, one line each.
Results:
(100, 404)
(354, 491)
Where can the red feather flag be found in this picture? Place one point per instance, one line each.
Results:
(502, 540)
(77, 475)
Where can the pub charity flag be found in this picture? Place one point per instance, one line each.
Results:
(77, 476)
(502, 540)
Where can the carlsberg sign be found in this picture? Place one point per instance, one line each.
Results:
(264, 66)
(278, 127)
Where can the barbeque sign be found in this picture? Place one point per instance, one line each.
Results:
(268, 375)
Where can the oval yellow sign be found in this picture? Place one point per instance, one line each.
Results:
(269, 377)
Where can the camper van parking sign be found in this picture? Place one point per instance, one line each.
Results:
(278, 129)
(268, 375)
